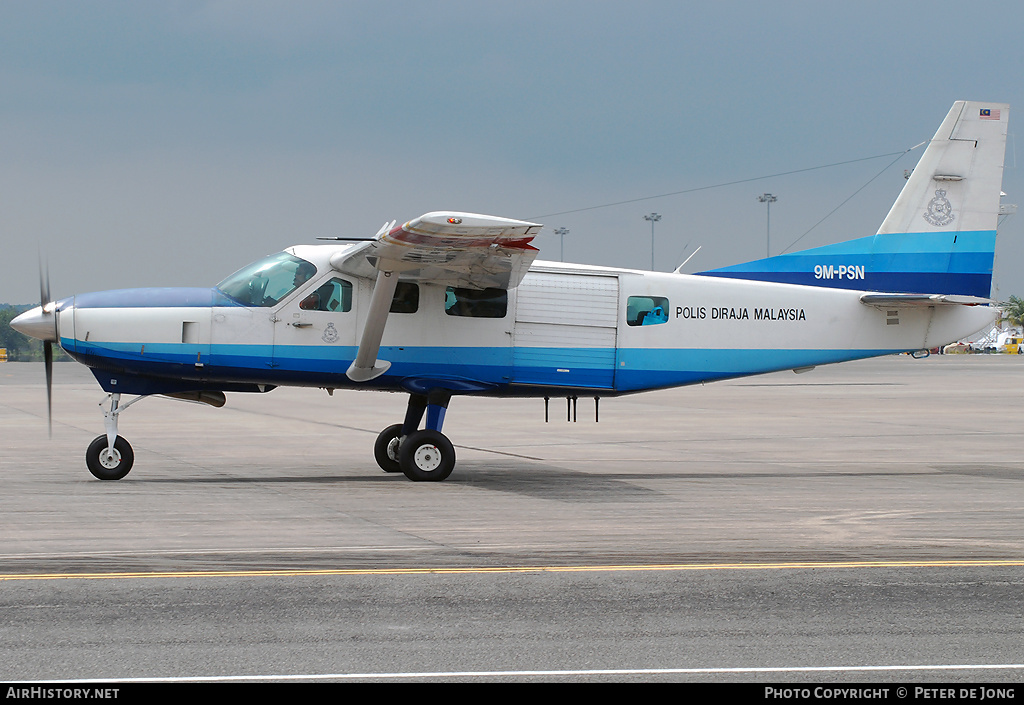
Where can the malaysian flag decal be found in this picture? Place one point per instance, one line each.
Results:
(989, 114)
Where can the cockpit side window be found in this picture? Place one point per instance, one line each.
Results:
(334, 295)
(266, 282)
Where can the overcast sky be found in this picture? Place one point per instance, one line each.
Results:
(169, 143)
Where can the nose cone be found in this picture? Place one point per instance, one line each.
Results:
(39, 322)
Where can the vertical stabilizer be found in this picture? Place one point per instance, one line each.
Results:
(956, 185)
(939, 236)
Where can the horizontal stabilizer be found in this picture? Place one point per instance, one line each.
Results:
(915, 300)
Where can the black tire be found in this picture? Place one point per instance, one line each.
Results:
(104, 470)
(385, 450)
(427, 456)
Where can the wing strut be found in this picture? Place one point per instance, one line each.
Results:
(366, 366)
(444, 248)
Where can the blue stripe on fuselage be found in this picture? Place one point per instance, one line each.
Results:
(889, 282)
(644, 368)
(934, 263)
(637, 368)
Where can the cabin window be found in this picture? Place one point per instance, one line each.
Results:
(476, 303)
(266, 282)
(646, 310)
(407, 298)
(334, 295)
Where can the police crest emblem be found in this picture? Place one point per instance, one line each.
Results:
(940, 210)
(331, 334)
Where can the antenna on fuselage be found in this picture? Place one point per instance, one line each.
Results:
(678, 269)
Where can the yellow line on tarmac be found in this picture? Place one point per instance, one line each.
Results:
(797, 565)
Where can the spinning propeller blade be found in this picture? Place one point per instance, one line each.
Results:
(46, 302)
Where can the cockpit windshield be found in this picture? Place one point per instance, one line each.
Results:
(266, 282)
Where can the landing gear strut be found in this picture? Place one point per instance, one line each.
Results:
(109, 456)
(422, 455)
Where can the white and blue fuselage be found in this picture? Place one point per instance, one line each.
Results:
(564, 328)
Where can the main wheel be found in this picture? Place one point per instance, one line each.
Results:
(112, 466)
(427, 456)
(385, 450)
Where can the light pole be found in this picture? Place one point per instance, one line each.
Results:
(768, 200)
(561, 232)
(654, 218)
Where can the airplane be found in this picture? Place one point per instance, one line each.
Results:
(453, 303)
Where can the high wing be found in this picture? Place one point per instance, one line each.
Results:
(466, 250)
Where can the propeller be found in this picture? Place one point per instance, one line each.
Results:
(47, 305)
(41, 323)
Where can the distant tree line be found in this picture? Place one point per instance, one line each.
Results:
(20, 347)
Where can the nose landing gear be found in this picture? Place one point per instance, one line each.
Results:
(109, 456)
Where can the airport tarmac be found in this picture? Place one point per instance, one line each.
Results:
(770, 522)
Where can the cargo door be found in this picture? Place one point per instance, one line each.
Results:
(565, 330)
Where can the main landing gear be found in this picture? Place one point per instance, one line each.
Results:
(423, 455)
(109, 456)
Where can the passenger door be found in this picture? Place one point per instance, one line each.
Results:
(315, 329)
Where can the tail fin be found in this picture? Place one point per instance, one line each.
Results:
(939, 237)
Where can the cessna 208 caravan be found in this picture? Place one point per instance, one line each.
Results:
(454, 303)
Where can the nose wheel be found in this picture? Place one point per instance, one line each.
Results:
(109, 463)
(110, 457)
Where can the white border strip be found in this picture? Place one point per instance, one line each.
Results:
(505, 674)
